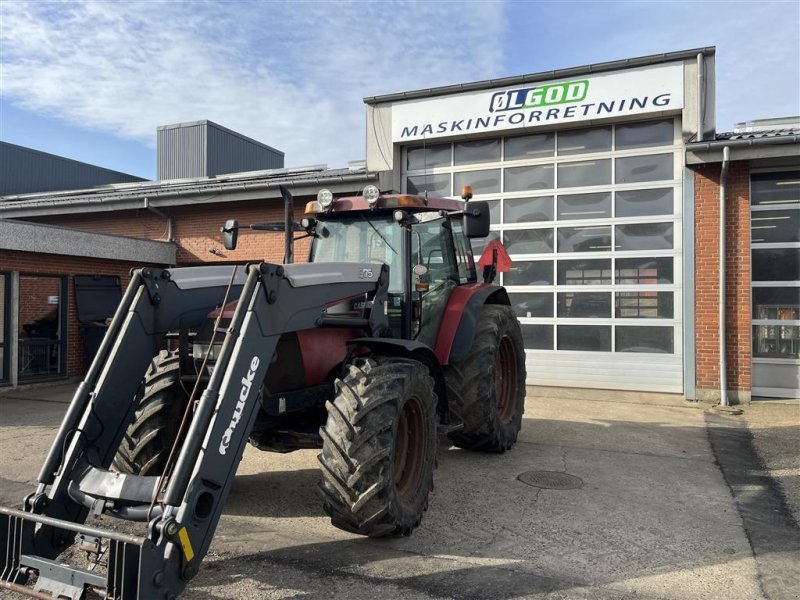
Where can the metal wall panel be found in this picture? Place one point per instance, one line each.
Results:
(205, 149)
(229, 152)
(181, 151)
(24, 170)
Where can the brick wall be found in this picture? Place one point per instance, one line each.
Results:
(197, 228)
(737, 265)
(34, 290)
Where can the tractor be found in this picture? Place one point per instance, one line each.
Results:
(387, 338)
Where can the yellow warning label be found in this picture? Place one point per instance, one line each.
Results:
(186, 544)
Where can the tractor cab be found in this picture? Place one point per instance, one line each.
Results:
(423, 240)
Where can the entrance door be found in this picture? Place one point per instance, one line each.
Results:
(775, 243)
(5, 319)
(42, 327)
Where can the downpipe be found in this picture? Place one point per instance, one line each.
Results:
(723, 181)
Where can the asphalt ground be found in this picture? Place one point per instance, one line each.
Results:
(673, 503)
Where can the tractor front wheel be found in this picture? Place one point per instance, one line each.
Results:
(160, 406)
(486, 390)
(379, 447)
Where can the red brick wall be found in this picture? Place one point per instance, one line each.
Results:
(28, 263)
(197, 228)
(737, 265)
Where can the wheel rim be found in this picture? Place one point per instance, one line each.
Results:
(505, 379)
(409, 451)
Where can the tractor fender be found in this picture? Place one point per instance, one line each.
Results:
(457, 331)
(417, 351)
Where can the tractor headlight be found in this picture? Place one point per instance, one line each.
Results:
(325, 198)
(371, 194)
(199, 351)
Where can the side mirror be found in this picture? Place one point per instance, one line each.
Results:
(230, 233)
(476, 219)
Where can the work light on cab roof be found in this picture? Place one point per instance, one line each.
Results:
(325, 198)
(371, 194)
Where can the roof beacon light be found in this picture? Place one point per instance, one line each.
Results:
(466, 193)
(371, 194)
(325, 198)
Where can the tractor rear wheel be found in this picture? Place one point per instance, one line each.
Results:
(160, 406)
(379, 447)
(486, 390)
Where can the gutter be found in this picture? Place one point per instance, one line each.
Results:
(723, 181)
(153, 194)
(759, 141)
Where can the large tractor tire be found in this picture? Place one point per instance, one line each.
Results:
(486, 390)
(379, 447)
(160, 406)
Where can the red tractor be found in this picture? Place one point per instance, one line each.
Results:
(387, 337)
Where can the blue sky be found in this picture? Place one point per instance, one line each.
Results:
(92, 80)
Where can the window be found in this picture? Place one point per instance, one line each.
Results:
(644, 305)
(521, 210)
(643, 271)
(529, 272)
(658, 340)
(584, 239)
(523, 179)
(581, 141)
(478, 151)
(528, 241)
(532, 305)
(482, 182)
(774, 226)
(595, 271)
(529, 146)
(580, 174)
(588, 338)
(644, 135)
(537, 337)
(428, 157)
(584, 305)
(584, 206)
(643, 203)
(438, 184)
(644, 236)
(653, 167)
(768, 189)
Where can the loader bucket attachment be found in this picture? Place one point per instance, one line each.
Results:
(179, 514)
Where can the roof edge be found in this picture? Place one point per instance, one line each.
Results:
(627, 63)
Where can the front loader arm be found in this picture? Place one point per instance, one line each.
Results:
(75, 481)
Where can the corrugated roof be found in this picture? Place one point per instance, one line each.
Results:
(753, 135)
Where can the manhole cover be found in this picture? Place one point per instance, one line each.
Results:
(551, 480)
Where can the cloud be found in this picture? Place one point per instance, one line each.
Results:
(290, 74)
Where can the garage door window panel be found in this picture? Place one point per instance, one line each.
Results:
(584, 239)
(584, 305)
(596, 271)
(583, 141)
(526, 179)
(528, 241)
(644, 135)
(428, 157)
(529, 147)
(775, 226)
(652, 340)
(643, 203)
(478, 151)
(586, 338)
(438, 184)
(768, 189)
(582, 174)
(537, 337)
(645, 236)
(653, 167)
(776, 264)
(529, 305)
(482, 182)
(526, 210)
(644, 271)
(644, 305)
(529, 272)
(584, 206)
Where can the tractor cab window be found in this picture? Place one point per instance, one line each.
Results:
(466, 262)
(432, 246)
(362, 240)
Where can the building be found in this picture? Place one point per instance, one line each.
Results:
(606, 183)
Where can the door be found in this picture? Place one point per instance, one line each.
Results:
(775, 247)
(42, 327)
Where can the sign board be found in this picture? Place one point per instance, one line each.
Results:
(618, 94)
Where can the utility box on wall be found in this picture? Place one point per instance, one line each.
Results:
(205, 149)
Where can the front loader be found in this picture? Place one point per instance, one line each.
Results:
(383, 340)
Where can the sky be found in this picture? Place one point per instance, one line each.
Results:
(93, 80)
